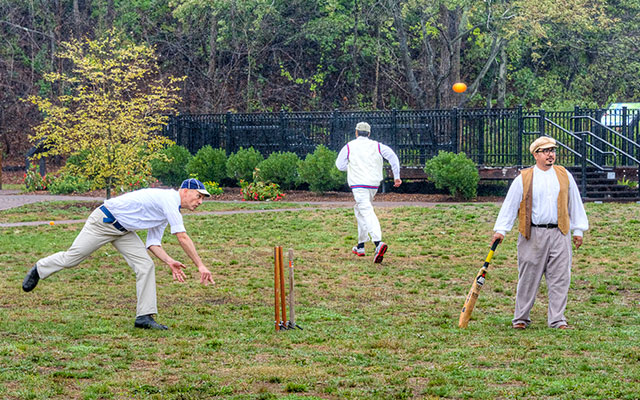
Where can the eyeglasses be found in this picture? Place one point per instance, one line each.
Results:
(547, 151)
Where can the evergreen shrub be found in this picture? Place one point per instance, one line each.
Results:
(454, 172)
(172, 171)
(241, 164)
(208, 164)
(280, 168)
(318, 169)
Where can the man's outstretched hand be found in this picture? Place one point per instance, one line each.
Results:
(205, 276)
(177, 271)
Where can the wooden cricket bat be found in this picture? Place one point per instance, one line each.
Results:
(470, 302)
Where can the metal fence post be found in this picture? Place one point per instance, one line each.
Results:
(599, 132)
(335, 140)
(625, 129)
(541, 122)
(583, 150)
(229, 127)
(520, 133)
(394, 125)
(577, 127)
(480, 123)
(457, 129)
(282, 132)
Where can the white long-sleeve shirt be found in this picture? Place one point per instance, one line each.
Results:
(342, 162)
(546, 188)
(151, 209)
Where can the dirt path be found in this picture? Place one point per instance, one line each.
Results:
(14, 198)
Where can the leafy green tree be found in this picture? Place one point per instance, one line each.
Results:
(113, 111)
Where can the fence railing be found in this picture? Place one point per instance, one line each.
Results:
(490, 137)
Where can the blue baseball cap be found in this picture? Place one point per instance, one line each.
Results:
(195, 185)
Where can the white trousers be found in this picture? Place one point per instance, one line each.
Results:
(368, 224)
(96, 234)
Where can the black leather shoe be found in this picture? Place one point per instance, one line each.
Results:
(31, 280)
(147, 322)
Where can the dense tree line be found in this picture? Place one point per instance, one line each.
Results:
(267, 55)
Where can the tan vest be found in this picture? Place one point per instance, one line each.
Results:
(524, 212)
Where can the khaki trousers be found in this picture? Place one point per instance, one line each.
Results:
(96, 234)
(368, 223)
(548, 253)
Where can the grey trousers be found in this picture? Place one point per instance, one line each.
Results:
(548, 253)
(96, 234)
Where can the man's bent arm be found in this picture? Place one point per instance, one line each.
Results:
(189, 248)
(187, 245)
(159, 252)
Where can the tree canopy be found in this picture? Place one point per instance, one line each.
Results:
(110, 110)
(314, 55)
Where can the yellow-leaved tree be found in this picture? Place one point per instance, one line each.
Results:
(112, 111)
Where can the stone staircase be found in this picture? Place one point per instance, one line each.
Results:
(603, 186)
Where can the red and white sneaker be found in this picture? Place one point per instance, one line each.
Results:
(379, 254)
(358, 251)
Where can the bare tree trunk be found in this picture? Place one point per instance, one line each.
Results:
(450, 21)
(502, 76)
(76, 18)
(473, 88)
(213, 45)
(416, 92)
(374, 95)
(354, 48)
(213, 55)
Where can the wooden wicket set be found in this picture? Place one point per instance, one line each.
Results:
(279, 291)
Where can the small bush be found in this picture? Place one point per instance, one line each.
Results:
(259, 190)
(67, 183)
(34, 181)
(319, 170)
(213, 188)
(171, 170)
(280, 168)
(241, 164)
(208, 164)
(455, 173)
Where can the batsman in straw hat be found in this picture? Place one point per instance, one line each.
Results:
(362, 159)
(546, 201)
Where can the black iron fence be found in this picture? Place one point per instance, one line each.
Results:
(490, 137)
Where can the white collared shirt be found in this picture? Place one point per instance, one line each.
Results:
(150, 209)
(546, 188)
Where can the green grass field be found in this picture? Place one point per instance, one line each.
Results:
(371, 331)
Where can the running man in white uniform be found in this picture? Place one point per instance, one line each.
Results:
(362, 158)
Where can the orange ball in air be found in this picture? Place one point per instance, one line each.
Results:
(459, 87)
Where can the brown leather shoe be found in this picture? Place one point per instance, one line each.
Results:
(564, 327)
(520, 325)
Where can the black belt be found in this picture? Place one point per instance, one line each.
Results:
(110, 219)
(548, 226)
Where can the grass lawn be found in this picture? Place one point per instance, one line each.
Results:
(371, 331)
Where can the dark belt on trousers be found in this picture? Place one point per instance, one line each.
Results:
(110, 219)
(548, 226)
